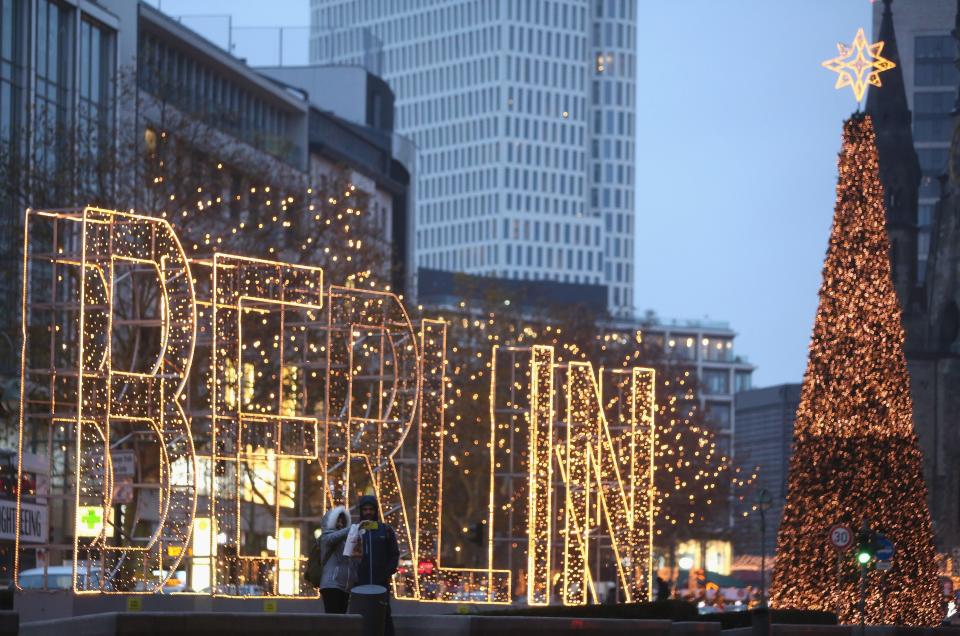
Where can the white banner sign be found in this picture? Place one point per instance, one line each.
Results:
(124, 463)
(33, 522)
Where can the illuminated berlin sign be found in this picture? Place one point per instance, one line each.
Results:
(237, 373)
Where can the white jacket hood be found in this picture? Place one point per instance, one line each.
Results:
(330, 518)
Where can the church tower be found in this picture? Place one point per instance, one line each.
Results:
(900, 175)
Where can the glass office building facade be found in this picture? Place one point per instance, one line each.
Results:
(524, 117)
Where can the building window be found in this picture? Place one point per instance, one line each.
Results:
(679, 346)
(933, 163)
(931, 115)
(10, 63)
(718, 414)
(716, 381)
(934, 61)
(743, 381)
(95, 85)
(53, 48)
(716, 349)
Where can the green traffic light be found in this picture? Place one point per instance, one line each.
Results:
(863, 558)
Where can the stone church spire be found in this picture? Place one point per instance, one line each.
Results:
(899, 169)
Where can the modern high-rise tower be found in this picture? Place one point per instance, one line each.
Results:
(524, 117)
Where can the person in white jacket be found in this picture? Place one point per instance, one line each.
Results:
(339, 570)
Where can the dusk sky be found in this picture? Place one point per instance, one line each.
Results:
(738, 133)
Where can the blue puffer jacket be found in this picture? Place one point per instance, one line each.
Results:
(381, 554)
(339, 571)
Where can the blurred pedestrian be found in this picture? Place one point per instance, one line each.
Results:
(339, 570)
(381, 554)
(663, 590)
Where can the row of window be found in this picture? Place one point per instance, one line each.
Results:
(540, 256)
(72, 55)
(456, 134)
(442, 48)
(686, 347)
(617, 272)
(546, 43)
(545, 103)
(933, 163)
(617, 247)
(613, 173)
(610, 34)
(611, 198)
(624, 223)
(420, 87)
(544, 73)
(622, 299)
(934, 61)
(931, 115)
(11, 83)
(54, 76)
(549, 183)
(464, 207)
(619, 149)
(543, 131)
(578, 262)
(457, 184)
(717, 381)
(554, 231)
(467, 104)
(557, 276)
(610, 92)
(622, 9)
(608, 122)
(545, 156)
(546, 204)
(458, 233)
(464, 157)
(563, 264)
(547, 13)
(202, 91)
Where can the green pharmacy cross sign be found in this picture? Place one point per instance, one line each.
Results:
(89, 521)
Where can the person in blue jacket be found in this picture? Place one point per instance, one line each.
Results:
(381, 554)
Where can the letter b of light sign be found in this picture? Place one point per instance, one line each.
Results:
(90, 275)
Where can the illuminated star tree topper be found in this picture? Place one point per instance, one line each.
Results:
(859, 64)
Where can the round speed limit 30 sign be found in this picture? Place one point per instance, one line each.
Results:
(841, 537)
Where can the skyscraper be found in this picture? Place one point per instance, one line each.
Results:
(523, 113)
(927, 53)
(764, 438)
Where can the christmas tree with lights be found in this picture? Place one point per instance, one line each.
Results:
(856, 458)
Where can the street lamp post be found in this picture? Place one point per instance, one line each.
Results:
(764, 501)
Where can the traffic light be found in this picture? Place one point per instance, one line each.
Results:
(866, 546)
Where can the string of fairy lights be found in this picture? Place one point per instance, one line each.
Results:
(700, 444)
(265, 373)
